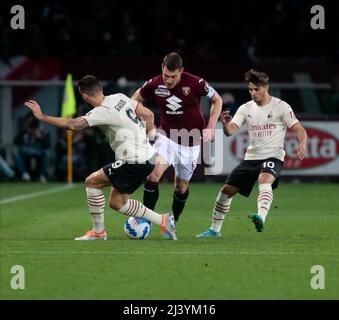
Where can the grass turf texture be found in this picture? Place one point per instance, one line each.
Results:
(301, 231)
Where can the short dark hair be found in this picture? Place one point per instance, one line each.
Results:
(256, 77)
(173, 61)
(89, 85)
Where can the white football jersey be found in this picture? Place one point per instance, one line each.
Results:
(266, 127)
(125, 132)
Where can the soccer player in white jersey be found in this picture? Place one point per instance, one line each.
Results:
(267, 119)
(119, 117)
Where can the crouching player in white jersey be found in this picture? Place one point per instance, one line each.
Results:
(119, 118)
(267, 118)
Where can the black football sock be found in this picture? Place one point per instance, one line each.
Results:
(179, 200)
(151, 194)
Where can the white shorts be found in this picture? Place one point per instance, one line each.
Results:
(182, 158)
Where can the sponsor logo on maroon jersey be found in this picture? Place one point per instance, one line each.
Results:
(161, 92)
(322, 148)
(174, 103)
(186, 90)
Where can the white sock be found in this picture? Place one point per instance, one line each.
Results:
(134, 208)
(221, 208)
(265, 199)
(96, 206)
(98, 222)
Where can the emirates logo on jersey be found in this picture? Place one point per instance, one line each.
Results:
(186, 90)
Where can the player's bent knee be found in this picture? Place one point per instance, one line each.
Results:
(262, 180)
(154, 178)
(229, 190)
(181, 188)
(90, 181)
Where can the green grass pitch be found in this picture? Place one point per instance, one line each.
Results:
(302, 230)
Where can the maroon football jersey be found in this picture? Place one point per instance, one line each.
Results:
(179, 106)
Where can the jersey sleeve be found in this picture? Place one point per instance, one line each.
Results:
(146, 91)
(239, 117)
(203, 89)
(288, 115)
(100, 116)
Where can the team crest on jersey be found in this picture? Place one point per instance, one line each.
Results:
(270, 115)
(162, 92)
(186, 90)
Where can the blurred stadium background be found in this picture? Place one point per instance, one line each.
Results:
(123, 43)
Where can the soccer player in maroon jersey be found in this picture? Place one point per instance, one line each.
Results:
(182, 127)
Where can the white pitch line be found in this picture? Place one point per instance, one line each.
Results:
(36, 194)
(5, 252)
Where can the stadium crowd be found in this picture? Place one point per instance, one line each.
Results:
(215, 32)
(230, 29)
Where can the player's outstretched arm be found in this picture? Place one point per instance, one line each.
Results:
(137, 96)
(228, 127)
(148, 116)
(302, 137)
(216, 105)
(63, 123)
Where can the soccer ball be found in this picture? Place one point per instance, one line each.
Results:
(137, 228)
